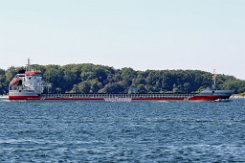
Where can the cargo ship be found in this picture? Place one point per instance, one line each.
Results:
(28, 85)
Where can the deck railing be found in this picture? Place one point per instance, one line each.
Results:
(117, 96)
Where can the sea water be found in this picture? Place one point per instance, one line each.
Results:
(83, 131)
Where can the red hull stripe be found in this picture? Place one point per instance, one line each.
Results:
(24, 98)
(82, 99)
(159, 99)
(204, 98)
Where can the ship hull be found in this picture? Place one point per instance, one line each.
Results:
(206, 98)
(23, 95)
(198, 98)
(117, 98)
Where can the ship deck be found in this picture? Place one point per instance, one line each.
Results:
(118, 97)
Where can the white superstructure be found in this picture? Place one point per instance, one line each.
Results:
(26, 84)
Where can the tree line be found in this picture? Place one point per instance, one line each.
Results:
(90, 78)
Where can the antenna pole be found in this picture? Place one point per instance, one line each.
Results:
(28, 67)
(214, 79)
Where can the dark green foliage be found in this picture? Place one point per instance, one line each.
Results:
(89, 78)
(237, 85)
(3, 82)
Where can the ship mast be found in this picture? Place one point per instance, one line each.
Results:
(28, 66)
(214, 80)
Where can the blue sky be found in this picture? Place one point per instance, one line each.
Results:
(142, 34)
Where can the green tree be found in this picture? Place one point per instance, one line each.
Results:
(89, 78)
(84, 87)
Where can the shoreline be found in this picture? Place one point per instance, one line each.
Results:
(237, 96)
